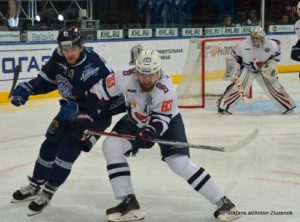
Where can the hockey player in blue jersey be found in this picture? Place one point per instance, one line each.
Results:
(73, 70)
(152, 112)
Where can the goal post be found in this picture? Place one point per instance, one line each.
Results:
(202, 75)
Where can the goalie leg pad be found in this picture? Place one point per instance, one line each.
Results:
(276, 92)
(231, 96)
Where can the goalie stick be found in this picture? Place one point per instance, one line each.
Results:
(15, 79)
(176, 144)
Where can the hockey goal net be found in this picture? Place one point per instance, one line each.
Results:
(202, 76)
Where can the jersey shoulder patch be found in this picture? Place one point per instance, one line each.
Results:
(110, 80)
(166, 105)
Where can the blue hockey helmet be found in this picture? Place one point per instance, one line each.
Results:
(69, 36)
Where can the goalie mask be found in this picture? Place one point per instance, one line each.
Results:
(69, 36)
(258, 36)
(148, 68)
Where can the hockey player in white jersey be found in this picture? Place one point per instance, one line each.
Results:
(152, 112)
(254, 58)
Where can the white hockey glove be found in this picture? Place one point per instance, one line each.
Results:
(233, 69)
(269, 69)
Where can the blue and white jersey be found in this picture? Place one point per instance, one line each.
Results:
(143, 108)
(72, 81)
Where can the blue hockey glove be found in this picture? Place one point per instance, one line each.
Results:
(21, 93)
(143, 136)
(81, 123)
(68, 109)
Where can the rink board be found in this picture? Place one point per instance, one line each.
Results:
(32, 56)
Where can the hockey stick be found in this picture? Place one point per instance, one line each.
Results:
(15, 79)
(176, 144)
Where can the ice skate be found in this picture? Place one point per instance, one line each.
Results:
(127, 210)
(40, 202)
(224, 112)
(289, 111)
(26, 193)
(226, 210)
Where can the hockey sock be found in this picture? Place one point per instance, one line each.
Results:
(196, 176)
(117, 165)
(67, 153)
(45, 161)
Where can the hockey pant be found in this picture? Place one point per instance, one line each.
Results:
(271, 87)
(59, 151)
(120, 175)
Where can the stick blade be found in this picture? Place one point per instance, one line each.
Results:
(244, 142)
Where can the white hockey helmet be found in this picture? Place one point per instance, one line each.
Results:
(148, 62)
(257, 36)
(298, 5)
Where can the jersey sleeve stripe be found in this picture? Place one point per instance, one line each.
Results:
(97, 89)
(165, 126)
(45, 77)
(130, 115)
(166, 119)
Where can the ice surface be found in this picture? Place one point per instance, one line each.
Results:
(263, 176)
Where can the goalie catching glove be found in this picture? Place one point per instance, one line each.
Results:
(233, 69)
(269, 69)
